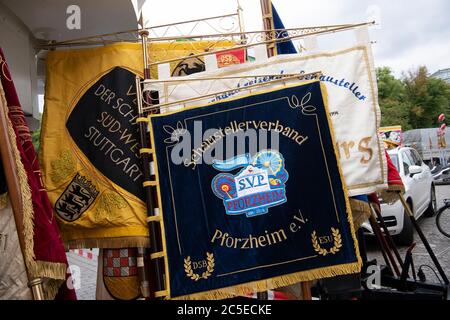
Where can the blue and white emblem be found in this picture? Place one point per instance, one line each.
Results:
(257, 187)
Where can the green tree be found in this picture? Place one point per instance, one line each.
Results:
(415, 101)
(428, 98)
(36, 136)
(392, 99)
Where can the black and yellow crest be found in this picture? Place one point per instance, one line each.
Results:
(76, 199)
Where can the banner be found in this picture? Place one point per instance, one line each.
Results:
(286, 47)
(90, 140)
(353, 101)
(251, 195)
(120, 273)
(43, 250)
(391, 136)
(228, 58)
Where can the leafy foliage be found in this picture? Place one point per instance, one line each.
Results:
(36, 136)
(414, 101)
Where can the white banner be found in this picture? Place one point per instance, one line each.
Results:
(352, 98)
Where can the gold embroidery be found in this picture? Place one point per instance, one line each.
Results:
(4, 68)
(205, 275)
(63, 167)
(109, 206)
(337, 243)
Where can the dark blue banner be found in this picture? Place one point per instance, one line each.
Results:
(251, 190)
(286, 47)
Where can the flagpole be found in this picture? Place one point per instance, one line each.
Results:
(267, 17)
(241, 23)
(267, 25)
(148, 269)
(156, 252)
(13, 184)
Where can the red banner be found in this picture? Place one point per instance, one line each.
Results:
(50, 259)
(230, 57)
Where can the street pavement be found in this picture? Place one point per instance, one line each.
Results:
(84, 269)
(439, 243)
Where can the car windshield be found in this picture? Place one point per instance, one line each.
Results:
(394, 158)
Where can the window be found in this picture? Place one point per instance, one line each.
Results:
(416, 158)
(407, 161)
(394, 158)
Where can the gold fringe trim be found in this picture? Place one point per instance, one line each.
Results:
(26, 200)
(274, 283)
(286, 280)
(4, 200)
(360, 212)
(390, 196)
(120, 242)
(341, 174)
(52, 270)
(35, 269)
(51, 288)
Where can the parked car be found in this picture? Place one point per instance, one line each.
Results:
(441, 174)
(420, 194)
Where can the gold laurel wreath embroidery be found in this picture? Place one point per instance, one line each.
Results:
(63, 168)
(205, 275)
(108, 207)
(337, 243)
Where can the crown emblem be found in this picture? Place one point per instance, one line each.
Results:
(76, 199)
(258, 186)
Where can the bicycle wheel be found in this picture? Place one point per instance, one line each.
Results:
(443, 221)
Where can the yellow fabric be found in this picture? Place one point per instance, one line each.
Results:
(122, 288)
(145, 150)
(114, 213)
(115, 217)
(162, 51)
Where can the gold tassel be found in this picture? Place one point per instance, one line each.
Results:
(122, 242)
(390, 196)
(274, 283)
(53, 270)
(34, 267)
(4, 200)
(360, 212)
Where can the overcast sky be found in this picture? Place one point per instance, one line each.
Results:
(409, 34)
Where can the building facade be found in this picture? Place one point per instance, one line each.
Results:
(443, 74)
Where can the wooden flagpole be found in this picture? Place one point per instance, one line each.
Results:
(425, 242)
(267, 17)
(12, 181)
(269, 26)
(157, 284)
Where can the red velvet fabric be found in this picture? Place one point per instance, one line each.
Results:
(48, 245)
(394, 180)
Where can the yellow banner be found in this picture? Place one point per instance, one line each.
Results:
(90, 141)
